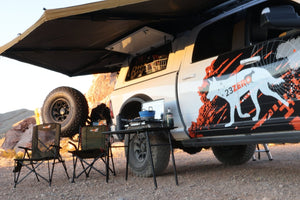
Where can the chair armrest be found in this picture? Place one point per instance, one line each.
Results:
(73, 145)
(25, 148)
(26, 151)
(56, 146)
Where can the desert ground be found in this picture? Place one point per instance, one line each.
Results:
(200, 176)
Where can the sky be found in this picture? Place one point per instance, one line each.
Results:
(23, 85)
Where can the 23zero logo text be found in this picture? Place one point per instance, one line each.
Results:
(238, 86)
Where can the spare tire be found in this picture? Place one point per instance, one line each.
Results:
(66, 106)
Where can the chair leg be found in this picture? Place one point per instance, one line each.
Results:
(112, 162)
(84, 169)
(17, 179)
(51, 172)
(112, 170)
(32, 166)
(74, 168)
(36, 175)
(17, 171)
(90, 166)
(64, 165)
(52, 169)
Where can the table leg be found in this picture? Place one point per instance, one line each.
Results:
(107, 161)
(127, 156)
(173, 158)
(74, 168)
(151, 159)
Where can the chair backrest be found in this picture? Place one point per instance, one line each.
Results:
(91, 137)
(45, 141)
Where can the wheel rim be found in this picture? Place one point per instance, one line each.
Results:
(139, 147)
(60, 110)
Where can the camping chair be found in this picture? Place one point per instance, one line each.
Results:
(92, 146)
(45, 147)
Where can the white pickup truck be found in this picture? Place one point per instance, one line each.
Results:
(231, 82)
(227, 70)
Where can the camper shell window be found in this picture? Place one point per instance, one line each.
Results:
(148, 63)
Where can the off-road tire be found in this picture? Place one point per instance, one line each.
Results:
(139, 161)
(235, 154)
(66, 106)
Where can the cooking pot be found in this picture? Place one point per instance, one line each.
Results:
(147, 114)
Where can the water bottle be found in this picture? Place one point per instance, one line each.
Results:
(170, 119)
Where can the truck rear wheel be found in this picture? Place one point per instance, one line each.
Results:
(235, 154)
(192, 150)
(66, 106)
(139, 154)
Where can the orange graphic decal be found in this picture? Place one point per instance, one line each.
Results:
(268, 55)
(296, 123)
(229, 64)
(257, 52)
(227, 86)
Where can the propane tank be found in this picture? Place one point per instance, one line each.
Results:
(169, 118)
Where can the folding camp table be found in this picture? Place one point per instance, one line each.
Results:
(147, 130)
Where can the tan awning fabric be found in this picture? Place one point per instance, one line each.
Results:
(53, 14)
(72, 40)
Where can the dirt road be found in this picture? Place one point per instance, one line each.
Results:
(200, 176)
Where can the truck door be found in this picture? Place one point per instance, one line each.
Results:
(205, 74)
(238, 78)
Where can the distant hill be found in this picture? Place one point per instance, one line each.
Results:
(10, 118)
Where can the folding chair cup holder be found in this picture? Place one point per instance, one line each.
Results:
(45, 147)
(92, 146)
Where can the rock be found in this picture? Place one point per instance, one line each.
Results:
(12, 137)
(25, 140)
(101, 88)
(23, 125)
(19, 135)
(7, 120)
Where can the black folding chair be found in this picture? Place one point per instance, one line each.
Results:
(92, 146)
(45, 147)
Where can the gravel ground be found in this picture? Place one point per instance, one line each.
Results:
(200, 176)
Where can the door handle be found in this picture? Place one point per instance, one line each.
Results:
(249, 61)
(189, 76)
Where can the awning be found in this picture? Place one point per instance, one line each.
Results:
(73, 40)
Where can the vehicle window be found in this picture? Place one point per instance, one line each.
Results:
(149, 63)
(213, 40)
(257, 33)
